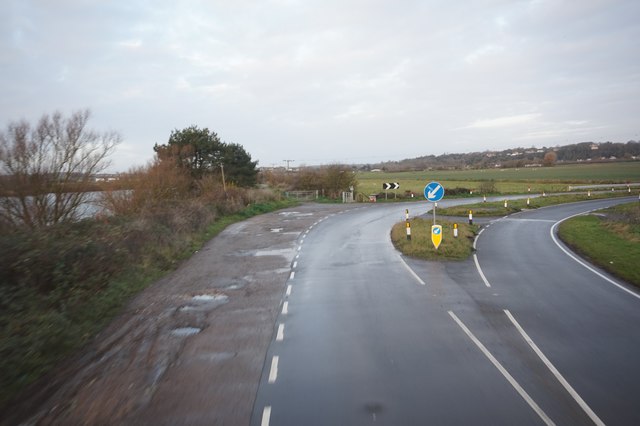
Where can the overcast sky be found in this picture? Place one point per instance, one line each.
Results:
(357, 81)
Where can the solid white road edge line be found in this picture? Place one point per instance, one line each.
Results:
(553, 237)
(503, 371)
(273, 373)
(555, 372)
(411, 271)
(266, 416)
(477, 236)
(475, 259)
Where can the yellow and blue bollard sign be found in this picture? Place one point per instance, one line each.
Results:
(436, 235)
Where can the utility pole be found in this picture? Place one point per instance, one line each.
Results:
(224, 184)
(288, 161)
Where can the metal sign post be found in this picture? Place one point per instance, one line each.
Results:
(390, 185)
(434, 192)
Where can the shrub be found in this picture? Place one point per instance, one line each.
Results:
(487, 187)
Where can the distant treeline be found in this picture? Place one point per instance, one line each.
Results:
(517, 157)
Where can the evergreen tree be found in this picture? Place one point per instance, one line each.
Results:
(202, 153)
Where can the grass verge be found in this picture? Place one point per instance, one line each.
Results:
(421, 247)
(61, 286)
(497, 208)
(609, 238)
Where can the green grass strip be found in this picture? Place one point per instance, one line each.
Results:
(497, 208)
(595, 238)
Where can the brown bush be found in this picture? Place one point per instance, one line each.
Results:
(149, 187)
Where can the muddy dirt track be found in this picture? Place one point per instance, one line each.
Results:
(190, 348)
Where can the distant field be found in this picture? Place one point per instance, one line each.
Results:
(549, 179)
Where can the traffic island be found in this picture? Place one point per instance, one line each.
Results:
(421, 246)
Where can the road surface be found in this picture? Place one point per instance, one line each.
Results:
(520, 334)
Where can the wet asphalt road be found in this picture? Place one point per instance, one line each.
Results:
(367, 337)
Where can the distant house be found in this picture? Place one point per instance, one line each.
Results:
(106, 178)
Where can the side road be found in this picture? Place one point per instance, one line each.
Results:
(190, 348)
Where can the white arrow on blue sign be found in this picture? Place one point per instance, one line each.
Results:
(433, 192)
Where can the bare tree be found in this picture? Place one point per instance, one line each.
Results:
(45, 170)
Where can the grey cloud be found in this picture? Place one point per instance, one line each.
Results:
(332, 80)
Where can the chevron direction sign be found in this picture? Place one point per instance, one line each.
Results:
(390, 185)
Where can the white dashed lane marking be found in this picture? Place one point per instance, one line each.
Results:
(280, 334)
(266, 416)
(273, 373)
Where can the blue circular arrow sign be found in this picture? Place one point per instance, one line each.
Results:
(433, 192)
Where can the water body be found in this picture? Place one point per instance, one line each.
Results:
(91, 206)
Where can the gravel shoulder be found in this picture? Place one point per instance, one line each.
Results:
(190, 348)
